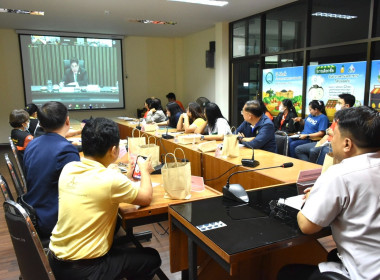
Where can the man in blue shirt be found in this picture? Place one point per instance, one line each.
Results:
(257, 130)
(44, 160)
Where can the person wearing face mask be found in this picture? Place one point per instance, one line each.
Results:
(316, 151)
(284, 120)
(21, 137)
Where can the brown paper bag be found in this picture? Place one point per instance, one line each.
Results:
(230, 146)
(329, 160)
(134, 143)
(208, 146)
(176, 178)
(152, 150)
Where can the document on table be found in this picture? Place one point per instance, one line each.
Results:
(293, 201)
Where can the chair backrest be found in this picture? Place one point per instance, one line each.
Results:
(30, 254)
(66, 63)
(5, 189)
(18, 163)
(282, 142)
(16, 181)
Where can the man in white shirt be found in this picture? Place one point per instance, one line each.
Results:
(347, 197)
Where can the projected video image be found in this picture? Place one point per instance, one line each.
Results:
(82, 73)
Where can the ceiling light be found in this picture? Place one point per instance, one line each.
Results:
(329, 15)
(153, 21)
(25, 12)
(203, 2)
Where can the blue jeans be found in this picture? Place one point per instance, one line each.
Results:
(321, 157)
(294, 143)
(308, 152)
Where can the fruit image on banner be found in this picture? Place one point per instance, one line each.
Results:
(374, 98)
(280, 84)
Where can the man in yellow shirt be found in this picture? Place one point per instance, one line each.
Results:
(81, 245)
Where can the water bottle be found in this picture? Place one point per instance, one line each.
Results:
(50, 86)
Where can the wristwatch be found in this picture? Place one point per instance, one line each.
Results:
(202, 137)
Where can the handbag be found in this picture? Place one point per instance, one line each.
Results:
(176, 178)
(230, 145)
(152, 150)
(134, 143)
(208, 146)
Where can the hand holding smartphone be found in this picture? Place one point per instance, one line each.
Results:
(136, 174)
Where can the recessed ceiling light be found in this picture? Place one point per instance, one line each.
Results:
(203, 2)
(153, 21)
(330, 15)
(24, 12)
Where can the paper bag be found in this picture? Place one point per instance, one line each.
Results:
(329, 160)
(176, 177)
(148, 127)
(151, 150)
(208, 146)
(230, 146)
(189, 139)
(134, 143)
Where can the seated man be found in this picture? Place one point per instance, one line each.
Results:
(257, 130)
(75, 75)
(346, 197)
(172, 98)
(81, 245)
(310, 152)
(44, 160)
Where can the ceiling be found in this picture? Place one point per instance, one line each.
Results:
(89, 16)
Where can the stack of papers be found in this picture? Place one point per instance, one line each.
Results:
(295, 202)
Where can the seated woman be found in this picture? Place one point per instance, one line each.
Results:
(284, 120)
(216, 125)
(315, 126)
(146, 106)
(19, 120)
(155, 114)
(193, 120)
(173, 112)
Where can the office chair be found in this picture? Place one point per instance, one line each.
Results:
(16, 181)
(18, 163)
(5, 189)
(30, 254)
(66, 63)
(282, 141)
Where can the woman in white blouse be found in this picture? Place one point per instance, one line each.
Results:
(155, 114)
(216, 126)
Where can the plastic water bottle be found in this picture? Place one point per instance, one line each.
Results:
(50, 86)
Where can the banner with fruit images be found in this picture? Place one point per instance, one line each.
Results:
(280, 84)
(327, 81)
(374, 97)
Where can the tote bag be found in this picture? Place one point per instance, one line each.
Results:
(230, 145)
(176, 177)
(134, 143)
(152, 150)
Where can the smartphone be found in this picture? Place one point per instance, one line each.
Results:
(136, 174)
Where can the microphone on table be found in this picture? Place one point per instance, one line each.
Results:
(166, 135)
(236, 192)
(138, 125)
(249, 162)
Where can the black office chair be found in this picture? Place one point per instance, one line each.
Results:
(329, 275)
(19, 160)
(30, 254)
(16, 181)
(5, 189)
(282, 141)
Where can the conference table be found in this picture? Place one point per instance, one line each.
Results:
(218, 239)
(211, 167)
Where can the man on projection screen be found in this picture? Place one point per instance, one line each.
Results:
(75, 75)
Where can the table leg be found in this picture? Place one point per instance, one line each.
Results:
(192, 255)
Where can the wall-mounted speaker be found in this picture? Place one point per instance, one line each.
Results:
(210, 59)
(212, 46)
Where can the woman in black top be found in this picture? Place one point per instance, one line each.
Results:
(284, 120)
